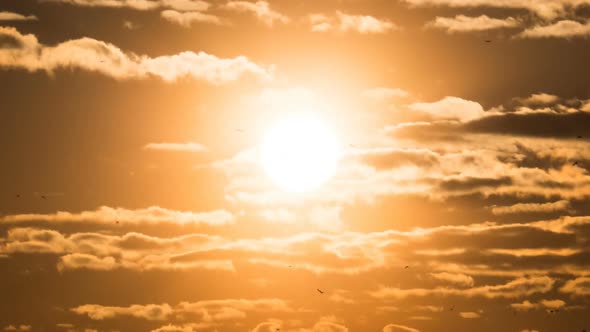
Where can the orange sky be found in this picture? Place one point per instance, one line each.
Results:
(133, 197)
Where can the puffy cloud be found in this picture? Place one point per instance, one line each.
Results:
(364, 24)
(561, 29)
(186, 19)
(188, 147)
(10, 16)
(462, 23)
(261, 9)
(540, 99)
(25, 52)
(451, 108)
(526, 305)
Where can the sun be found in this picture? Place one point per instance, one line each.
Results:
(299, 153)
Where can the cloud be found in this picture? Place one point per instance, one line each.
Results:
(207, 311)
(539, 99)
(9, 16)
(388, 158)
(364, 24)
(398, 328)
(469, 315)
(129, 25)
(544, 8)
(513, 289)
(261, 9)
(462, 23)
(562, 29)
(186, 19)
(526, 305)
(109, 215)
(25, 52)
(546, 125)
(577, 287)
(454, 278)
(18, 328)
(451, 108)
(430, 308)
(518, 208)
(183, 147)
(341, 296)
(179, 5)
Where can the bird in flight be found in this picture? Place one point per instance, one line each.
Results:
(17, 195)
(488, 41)
(43, 197)
(320, 291)
(407, 267)
(576, 163)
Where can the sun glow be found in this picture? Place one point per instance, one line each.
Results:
(299, 153)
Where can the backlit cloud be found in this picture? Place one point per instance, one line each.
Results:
(261, 9)
(25, 52)
(561, 29)
(462, 23)
(344, 22)
(10, 16)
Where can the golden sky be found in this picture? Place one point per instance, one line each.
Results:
(294, 166)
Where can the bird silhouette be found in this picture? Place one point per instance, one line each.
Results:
(407, 267)
(320, 291)
(488, 41)
(17, 195)
(579, 136)
(43, 197)
(575, 163)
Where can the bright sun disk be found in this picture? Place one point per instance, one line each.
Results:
(300, 153)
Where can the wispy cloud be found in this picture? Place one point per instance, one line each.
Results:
(364, 24)
(186, 19)
(544, 8)
(261, 9)
(462, 23)
(10, 16)
(179, 5)
(182, 147)
(109, 215)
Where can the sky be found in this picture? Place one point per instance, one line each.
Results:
(133, 194)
